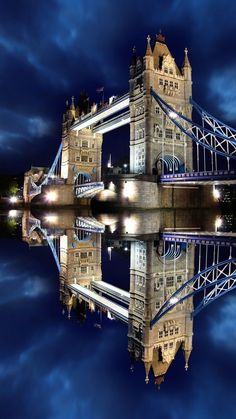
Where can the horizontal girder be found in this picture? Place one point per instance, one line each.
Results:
(113, 123)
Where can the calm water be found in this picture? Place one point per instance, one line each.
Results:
(75, 347)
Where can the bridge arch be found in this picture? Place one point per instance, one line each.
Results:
(168, 164)
(81, 178)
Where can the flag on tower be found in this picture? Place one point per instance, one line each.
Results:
(100, 89)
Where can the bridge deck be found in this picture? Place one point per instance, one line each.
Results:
(210, 177)
(204, 237)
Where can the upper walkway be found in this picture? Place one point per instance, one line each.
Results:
(117, 310)
(90, 119)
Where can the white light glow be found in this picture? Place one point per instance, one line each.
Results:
(173, 114)
(126, 249)
(130, 225)
(112, 187)
(51, 196)
(12, 213)
(216, 193)
(128, 191)
(218, 222)
(51, 218)
(13, 199)
(174, 300)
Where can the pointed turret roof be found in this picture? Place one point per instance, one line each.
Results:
(187, 353)
(147, 366)
(186, 62)
(148, 49)
(160, 51)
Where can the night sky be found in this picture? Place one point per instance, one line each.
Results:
(51, 50)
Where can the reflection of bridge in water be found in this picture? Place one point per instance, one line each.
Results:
(167, 270)
(172, 141)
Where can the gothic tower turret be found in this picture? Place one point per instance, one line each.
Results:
(156, 144)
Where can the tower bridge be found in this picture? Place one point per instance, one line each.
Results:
(167, 146)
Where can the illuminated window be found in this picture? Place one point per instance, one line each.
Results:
(176, 85)
(176, 330)
(160, 334)
(165, 346)
(161, 82)
(85, 144)
(171, 332)
(90, 159)
(77, 158)
(170, 281)
(84, 269)
(166, 70)
(178, 137)
(166, 333)
(166, 82)
(171, 71)
(160, 133)
(169, 133)
(171, 345)
(84, 158)
(83, 255)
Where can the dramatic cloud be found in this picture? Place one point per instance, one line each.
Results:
(51, 50)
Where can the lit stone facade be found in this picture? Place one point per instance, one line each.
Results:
(153, 136)
(152, 280)
(80, 261)
(81, 152)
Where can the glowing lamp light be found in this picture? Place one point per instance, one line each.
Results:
(51, 218)
(174, 300)
(128, 191)
(216, 193)
(13, 199)
(51, 196)
(173, 115)
(12, 213)
(130, 225)
(218, 222)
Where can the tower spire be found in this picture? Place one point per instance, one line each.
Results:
(186, 60)
(148, 49)
(187, 353)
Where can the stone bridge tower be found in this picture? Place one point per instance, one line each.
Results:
(156, 271)
(81, 152)
(80, 261)
(156, 145)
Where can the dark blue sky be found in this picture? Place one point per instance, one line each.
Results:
(51, 50)
(55, 368)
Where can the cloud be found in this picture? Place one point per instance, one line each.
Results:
(223, 92)
(222, 325)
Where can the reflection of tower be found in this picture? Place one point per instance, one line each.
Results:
(80, 258)
(155, 273)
